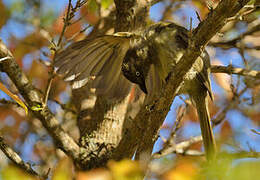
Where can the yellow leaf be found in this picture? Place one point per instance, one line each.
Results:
(64, 170)
(14, 97)
(4, 14)
(106, 3)
(13, 173)
(95, 174)
(125, 170)
(183, 171)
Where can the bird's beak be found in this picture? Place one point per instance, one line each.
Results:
(143, 87)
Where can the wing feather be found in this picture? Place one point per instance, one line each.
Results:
(109, 75)
(102, 58)
(87, 61)
(97, 69)
(73, 50)
(153, 83)
(76, 57)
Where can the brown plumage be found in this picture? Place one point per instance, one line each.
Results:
(90, 61)
(145, 58)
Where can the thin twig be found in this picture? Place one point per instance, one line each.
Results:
(170, 141)
(50, 80)
(76, 34)
(198, 17)
(256, 132)
(69, 15)
(233, 42)
(180, 148)
(232, 70)
(169, 10)
(234, 103)
(66, 23)
(240, 16)
(4, 101)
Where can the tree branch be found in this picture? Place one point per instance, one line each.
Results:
(95, 122)
(232, 70)
(256, 132)
(17, 160)
(34, 100)
(180, 148)
(156, 113)
(69, 15)
(233, 42)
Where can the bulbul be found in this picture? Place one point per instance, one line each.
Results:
(111, 62)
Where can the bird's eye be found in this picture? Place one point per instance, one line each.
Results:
(137, 73)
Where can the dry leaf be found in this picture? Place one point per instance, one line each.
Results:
(222, 79)
(14, 97)
(95, 174)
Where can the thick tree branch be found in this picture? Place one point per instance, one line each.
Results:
(232, 70)
(34, 100)
(156, 113)
(131, 14)
(97, 115)
(16, 159)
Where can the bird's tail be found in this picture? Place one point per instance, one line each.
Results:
(205, 125)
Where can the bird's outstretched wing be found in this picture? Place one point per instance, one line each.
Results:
(97, 61)
(153, 82)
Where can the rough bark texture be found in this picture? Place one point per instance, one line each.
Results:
(131, 14)
(102, 124)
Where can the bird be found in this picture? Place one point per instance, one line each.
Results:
(110, 64)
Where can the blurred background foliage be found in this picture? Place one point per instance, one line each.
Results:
(31, 27)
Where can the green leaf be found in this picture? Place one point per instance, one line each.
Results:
(92, 6)
(106, 3)
(17, 7)
(14, 173)
(38, 107)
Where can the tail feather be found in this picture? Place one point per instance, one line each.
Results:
(205, 125)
